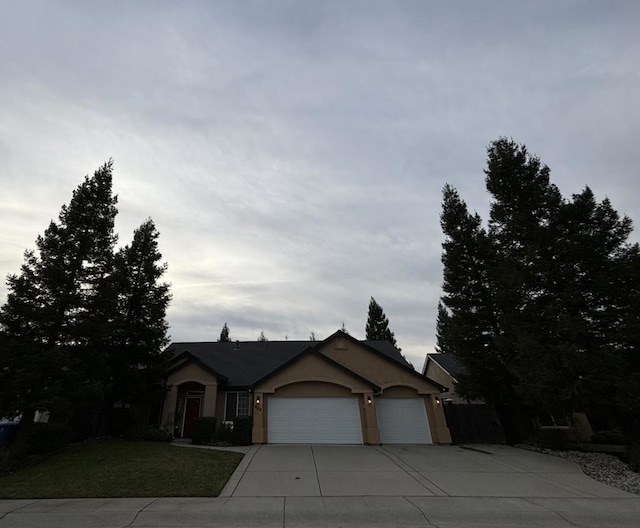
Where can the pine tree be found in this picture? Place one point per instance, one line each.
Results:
(626, 289)
(377, 327)
(467, 321)
(542, 308)
(592, 300)
(82, 324)
(262, 338)
(53, 309)
(224, 334)
(524, 240)
(139, 335)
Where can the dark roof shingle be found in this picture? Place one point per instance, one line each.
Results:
(246, 362)
(450, 363)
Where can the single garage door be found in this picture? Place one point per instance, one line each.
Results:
(314, 421)
(403, 421)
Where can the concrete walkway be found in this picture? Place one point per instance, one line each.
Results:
(408, 486)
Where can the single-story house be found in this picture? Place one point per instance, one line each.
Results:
(340, 390)
(445, 369)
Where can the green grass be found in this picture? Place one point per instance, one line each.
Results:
(123, 469)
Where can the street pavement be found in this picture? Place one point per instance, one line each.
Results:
(359, 486)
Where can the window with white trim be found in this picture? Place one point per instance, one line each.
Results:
(237, 404)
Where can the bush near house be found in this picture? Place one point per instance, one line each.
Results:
(204, 430)
(224, 434)
(146, 433)
(241, 434)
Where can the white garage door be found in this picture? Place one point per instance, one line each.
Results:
(403, 421)
(314, 421)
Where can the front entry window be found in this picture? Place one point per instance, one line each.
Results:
(237, 405)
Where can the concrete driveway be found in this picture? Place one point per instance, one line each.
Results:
(392, 486)
(414, 471)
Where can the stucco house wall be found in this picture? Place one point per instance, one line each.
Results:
(336, 368)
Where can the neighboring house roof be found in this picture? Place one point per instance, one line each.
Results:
(448, 362)
(242, 364)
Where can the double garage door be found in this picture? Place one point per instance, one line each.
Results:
(337, 421)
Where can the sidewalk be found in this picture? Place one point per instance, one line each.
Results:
(310, 512)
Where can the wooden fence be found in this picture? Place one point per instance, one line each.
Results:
(473, 424)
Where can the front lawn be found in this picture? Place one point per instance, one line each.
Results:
(123, 469)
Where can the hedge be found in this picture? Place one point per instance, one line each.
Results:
(204, 430)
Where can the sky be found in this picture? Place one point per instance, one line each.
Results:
(293, 153)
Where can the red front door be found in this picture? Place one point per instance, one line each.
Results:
(191, 412)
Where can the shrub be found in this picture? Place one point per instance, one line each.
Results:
(204, 430)
(224, 435)
(610, 436)
(241, 434)
(552, 439)
(47, 438)
(146, 433)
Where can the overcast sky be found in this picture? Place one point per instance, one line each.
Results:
(293, 153)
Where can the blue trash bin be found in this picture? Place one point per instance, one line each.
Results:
(7, 432)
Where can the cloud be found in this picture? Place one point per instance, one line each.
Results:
(293, 154)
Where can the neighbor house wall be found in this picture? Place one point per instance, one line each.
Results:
(435, 372)
(438, 374)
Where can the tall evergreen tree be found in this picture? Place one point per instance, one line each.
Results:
(140, 330)
(523, 240)
(68, 310)
(224, 334)
(541, 300)
(262, 338)
(627, 335)
(467, 323)
(50, 313)
(591, 304)
(377, 327)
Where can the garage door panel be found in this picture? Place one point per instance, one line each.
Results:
(403, 421)
(314, 420)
